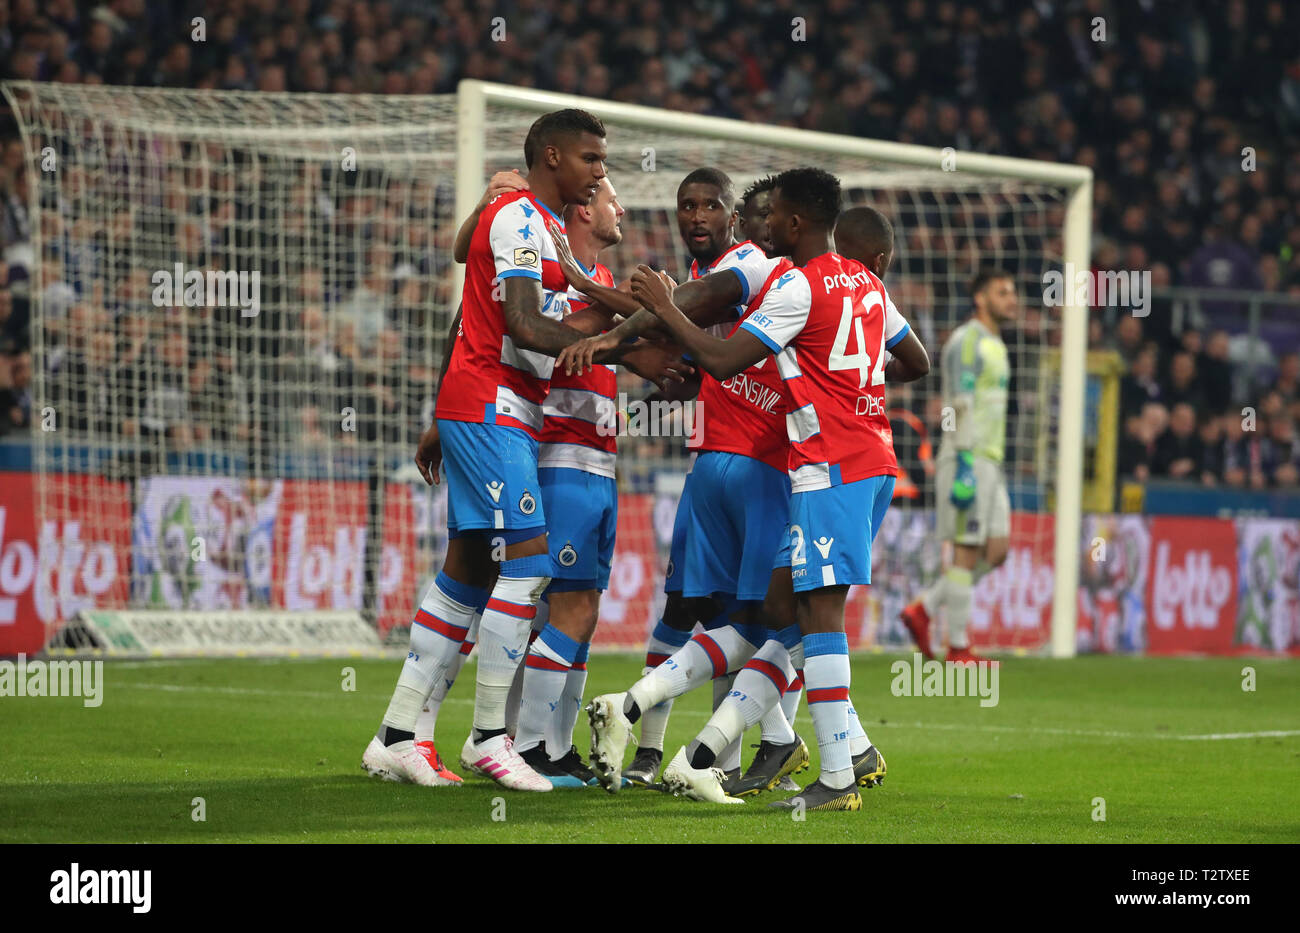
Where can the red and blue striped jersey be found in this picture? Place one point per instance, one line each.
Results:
(489, 379)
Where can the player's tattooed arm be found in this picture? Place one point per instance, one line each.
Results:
(910, 361)
(524, 321)
(590, 320)
(501, 183)
(705, 301)
(721, 359)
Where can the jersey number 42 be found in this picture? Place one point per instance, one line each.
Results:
(861, 361)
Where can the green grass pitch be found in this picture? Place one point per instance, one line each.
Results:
(274, 748)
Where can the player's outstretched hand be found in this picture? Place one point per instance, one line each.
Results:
(573, 273)
(428, 455)
(503, 183)
(660, 363)
(653, 289)
(577, 357)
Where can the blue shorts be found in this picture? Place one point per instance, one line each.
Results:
(492, 480)
(831, 531)
(739, 508)
(675, 575)
(583, 510)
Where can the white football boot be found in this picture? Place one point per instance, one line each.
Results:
(681, 780)
(610, 734)
(402, 763)
(497, 759)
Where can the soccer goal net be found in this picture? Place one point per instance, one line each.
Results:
(240, 302)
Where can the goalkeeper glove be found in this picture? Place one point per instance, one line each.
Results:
(963, 484)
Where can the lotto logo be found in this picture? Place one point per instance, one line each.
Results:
(1194, 591)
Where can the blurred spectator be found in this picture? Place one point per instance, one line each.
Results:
(1128, 337)
(1211, 465)
(1179, 451)
(1287, 384)
(1140, 386)
(1281, 457)
(15, 393)
(1215, 372)
(1136, 449)
(1182, 386)
(1243, 455)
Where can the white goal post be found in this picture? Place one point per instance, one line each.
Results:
(475, 100)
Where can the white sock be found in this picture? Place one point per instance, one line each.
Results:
(654, 722)
(729, 757)
(545, 672)
(933, 596)
(426, 725)
(663, 641)
(707, 655)
(503, 635)
(754, 697)
(858, 741)
(956, 601)
(764, 681)
(437, 631)
(560, 737)
(790, 699)
(826, 671)
(516, 695)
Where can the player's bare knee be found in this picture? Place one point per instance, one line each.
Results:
(529, 548)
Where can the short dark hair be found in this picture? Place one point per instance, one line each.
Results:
(764, 184)
(712, 176)
(985, 276)
(547, 128)
(866, 227)
(816, 192)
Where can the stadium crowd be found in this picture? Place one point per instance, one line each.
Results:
(1128, 89)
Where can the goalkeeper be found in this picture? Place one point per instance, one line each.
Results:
(972, 505)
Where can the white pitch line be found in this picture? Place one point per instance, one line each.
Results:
(234, 691)
(693, 714)
(1089, 733)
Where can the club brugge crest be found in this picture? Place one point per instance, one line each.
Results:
(568, 556)
(527, 504)
(670, 569)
